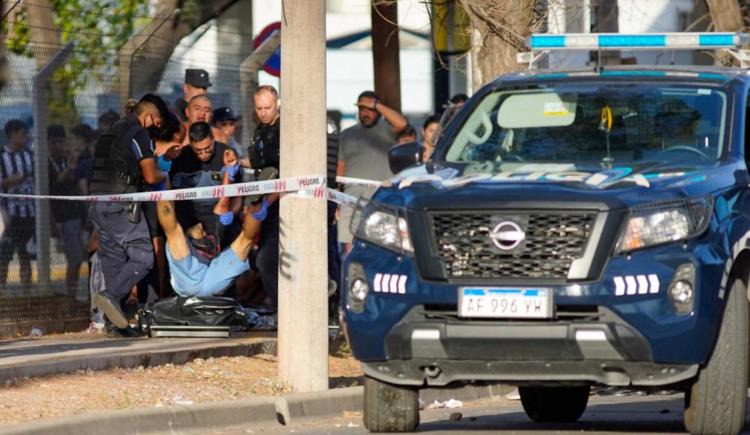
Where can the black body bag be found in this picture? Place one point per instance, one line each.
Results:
(195, 311)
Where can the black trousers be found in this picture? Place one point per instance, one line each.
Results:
(125, 249)
(267, 258)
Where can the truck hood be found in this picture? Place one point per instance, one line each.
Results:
(554, 185)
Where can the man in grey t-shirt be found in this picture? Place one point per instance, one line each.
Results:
(363, 151)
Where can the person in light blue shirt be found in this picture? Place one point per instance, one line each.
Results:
(198, 265)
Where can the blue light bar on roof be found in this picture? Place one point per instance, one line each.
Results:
(642, 41)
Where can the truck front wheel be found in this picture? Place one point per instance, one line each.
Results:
(554, 404)
(715, 404)
(390, 408)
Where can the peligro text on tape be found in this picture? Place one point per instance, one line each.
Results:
(281, 185)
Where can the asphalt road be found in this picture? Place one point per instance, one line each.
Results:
(655, 414)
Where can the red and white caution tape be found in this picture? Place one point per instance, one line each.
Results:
(358, 181)
(307, 187)
(282, 185)
(330, 194)
(341, 198)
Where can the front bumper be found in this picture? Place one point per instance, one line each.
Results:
(434, 348)
(420, 372)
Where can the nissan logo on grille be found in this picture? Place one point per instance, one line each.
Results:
(507, 235)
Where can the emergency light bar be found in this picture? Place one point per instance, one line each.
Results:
(642, 41)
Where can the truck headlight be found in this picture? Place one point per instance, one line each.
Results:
(654, 224)
(382, 225)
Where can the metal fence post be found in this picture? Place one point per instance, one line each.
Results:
(41, 164)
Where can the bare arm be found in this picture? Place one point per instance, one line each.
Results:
(176, 241)
(151, 173)
(223, 204)
(167, 217)
(394, 117)
(13, 180)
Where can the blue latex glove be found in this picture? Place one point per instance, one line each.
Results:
(262, 212)
(163, 164)
(226, 218)
(160, 186)
(231, 171)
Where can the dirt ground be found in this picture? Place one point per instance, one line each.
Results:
(200, 381)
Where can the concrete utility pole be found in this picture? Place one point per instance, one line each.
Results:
(385, 52)
(303, 258)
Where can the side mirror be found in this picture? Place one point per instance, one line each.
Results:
(402, 156)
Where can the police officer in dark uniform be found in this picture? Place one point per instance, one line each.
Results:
(264, 153)
(124, 163)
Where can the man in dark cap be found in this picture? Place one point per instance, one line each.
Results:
(196, 82)
(225, 128)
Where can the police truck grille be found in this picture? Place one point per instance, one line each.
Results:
(552, 241)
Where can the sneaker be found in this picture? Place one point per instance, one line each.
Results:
(265, 174)
(95, 328)
(111, 309)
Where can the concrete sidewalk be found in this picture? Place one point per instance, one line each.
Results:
(64, 354)
(261, 412)
(42, 356)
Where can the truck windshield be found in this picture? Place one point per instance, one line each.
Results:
(594, 125)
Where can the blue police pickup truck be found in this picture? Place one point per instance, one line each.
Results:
(573, 229)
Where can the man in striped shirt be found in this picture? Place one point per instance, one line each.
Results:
(17, 176)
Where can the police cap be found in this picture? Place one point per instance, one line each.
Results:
(197, 78)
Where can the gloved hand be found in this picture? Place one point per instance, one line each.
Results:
(163, 164)
(226, 218)
(231, 171)
(162, 185)
(262, 212)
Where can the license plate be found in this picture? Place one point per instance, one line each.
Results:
(515, 303)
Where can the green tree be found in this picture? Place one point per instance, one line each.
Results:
(97, 28)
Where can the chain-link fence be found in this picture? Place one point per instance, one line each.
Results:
(53, 109)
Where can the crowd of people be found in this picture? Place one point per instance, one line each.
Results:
(202, 247)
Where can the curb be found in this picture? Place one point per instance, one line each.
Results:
(265, 411)
(320, 404)
(171, 418)
(146, 358)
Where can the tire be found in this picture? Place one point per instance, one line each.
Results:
(390, 408)
(554, 404)
(715, 403)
